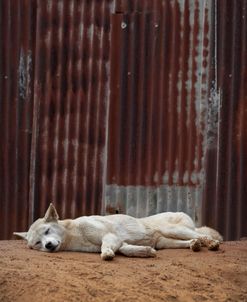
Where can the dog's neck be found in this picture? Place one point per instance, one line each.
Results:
(74, 238)
(71, 235)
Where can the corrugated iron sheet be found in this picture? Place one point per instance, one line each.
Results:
(225, 204)
(16, 81)
(70, 104)
(158, 106)
(130, 106)
(54, 97)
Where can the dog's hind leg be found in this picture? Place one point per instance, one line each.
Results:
(110, 244)
(184, 233)
(170, 243)
(211, 244)
(137, 250)
(179, 232)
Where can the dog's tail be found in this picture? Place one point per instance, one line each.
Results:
(210, 232)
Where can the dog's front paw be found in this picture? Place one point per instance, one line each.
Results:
(151, 252)
(107, 254)
(195, 245)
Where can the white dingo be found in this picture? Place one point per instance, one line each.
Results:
(132, 237)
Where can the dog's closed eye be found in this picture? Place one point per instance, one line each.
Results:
(47, 231)
(38, 242)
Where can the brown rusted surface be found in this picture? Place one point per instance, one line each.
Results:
(155, 126)
(123, 106)
(54, 95)
(224, 205)
(158, 106)
(17, 35)
(72, 59)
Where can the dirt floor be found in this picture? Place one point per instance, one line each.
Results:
(174, 275)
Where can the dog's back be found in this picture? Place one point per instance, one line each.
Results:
(168, 218)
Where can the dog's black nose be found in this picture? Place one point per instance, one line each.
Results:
(49, 246)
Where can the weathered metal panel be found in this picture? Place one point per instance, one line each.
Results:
(70, 106)
(54, 88)
(158, 106)
(17, 32)
(130, 106)
(225, 204)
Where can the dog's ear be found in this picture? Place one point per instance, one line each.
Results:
(22, 235)
(51, 214)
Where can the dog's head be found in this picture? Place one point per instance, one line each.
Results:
(45, 234)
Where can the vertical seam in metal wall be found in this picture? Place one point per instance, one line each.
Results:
(87, 100)
(17, 116)
(105, 157)
(35, 131)
(58, 105)
(242, 96)
(219, 109)
(217, 90)
(45, 108)
(229, 177)
(6, 85)
(97, 101)
(68, 101)
(78, 119)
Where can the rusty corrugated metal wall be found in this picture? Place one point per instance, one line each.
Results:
(17, 44)
(70, 105)
(224, 203)
(130, 106)
(158, 112)
(54, 99)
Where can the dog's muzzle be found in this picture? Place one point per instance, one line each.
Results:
(51, 247)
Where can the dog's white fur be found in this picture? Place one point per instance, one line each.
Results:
(133, 237)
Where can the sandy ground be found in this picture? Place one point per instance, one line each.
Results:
(174, 275)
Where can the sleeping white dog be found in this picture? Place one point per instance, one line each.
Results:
(132, 237)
